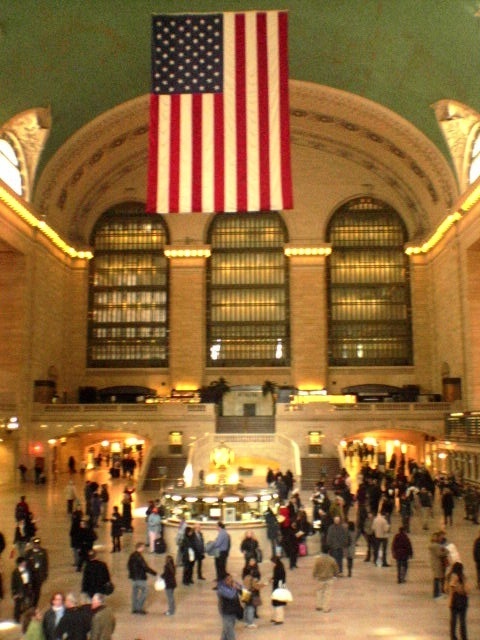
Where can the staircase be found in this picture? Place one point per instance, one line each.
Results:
(175, 466)
(245, 424)
(316, 469)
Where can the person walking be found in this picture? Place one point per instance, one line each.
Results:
(53, 616)
(103, 622)
(273, 530)
(337, 541)
(37, 562)
(104, 498)
(252, 584)
(402, 551)
(169, 575)
(229, 605)
(154, 528)
(325, 569)
(70, 495)
(116, 529)
(188, 556)
(438, 561)
(32, 624)
(221, 549)
(85, 538)
(137, 572)
(76, 621)
(199, 548)
(448, 504)
(278, 580)
(476, 557)
(458, 590)
(95, 575)
(425, 500)
(351, 544)
(21, 588)
(381, 529)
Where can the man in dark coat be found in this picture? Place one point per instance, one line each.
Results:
(199, 548)
(37, 561)
(273, 529)
(95, 575)
(85, 538)
(137, 572)
(402, 551)
(76, 621)
(21, 586)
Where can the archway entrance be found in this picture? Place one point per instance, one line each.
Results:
(386, 449)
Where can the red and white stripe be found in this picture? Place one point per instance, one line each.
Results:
(229, 151)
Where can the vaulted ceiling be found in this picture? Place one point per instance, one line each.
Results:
(83, 58)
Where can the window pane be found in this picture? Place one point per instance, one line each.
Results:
(368, 286)
(247, 309)
(128, 291)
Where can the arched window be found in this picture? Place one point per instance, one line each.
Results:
(128, 322)
(369, 310)
(10, 169)
(247, 291)
(474, 168)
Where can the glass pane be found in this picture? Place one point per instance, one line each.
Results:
(128, 292)
(368, 286)
(247, 309)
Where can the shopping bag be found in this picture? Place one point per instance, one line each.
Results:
(282, 594)
(159, 584)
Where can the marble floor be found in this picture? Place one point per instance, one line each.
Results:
(370, 605)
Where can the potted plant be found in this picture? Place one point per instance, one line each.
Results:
(269, 387)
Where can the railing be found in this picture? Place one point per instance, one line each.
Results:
(161, 408)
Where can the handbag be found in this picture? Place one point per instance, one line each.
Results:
(159, 584)
(191, 554)
(282, 594)
(246, 596)
(258, 555)
(108, 588)
(302, 549)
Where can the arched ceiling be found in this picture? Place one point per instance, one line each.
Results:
(81, 59)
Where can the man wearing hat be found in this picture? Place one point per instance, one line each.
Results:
(37, 562)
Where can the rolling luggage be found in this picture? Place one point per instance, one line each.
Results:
(160, 545)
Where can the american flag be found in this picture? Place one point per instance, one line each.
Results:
(219, 117)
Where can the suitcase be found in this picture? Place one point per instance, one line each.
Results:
(160, 545)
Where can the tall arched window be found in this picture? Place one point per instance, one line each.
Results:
(247, 289)
(10, 169)
(369, 308)
(128, 321)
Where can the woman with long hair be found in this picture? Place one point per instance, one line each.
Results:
(170, 583)
(458, 590)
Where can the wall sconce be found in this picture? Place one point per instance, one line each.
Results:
(13, 424)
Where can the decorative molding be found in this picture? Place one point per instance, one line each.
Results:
(31, 129)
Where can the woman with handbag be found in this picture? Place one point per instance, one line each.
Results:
(458, 590)
(170, 584)
(252, 587)
(278, 580)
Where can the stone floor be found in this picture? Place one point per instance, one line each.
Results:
(369, 605)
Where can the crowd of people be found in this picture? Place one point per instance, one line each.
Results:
(339, 516)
